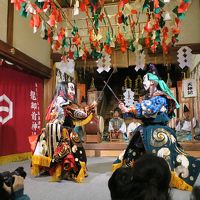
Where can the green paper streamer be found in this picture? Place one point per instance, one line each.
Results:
(145, 5)
(125, 19)
(162, 22)
(96, 20)
(23, 12)
(76, 54)
(175, 10)
(39, 4)
(131, 47)
(181, 16)
(156, 10)
(64, 42)
(74, 30)
(161, 4)
(158, 36)
(108, 40)
(95, 54)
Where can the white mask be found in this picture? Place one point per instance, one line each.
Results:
(71, 91)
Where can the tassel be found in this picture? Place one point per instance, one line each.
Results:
(82, 173)
(117, 164)
(177, 182)
(35, 170)
(42, 161)
(56, 173)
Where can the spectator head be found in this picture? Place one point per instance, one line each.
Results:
(116, 113)
(148, 179)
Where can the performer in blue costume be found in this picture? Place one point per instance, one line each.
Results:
(155, 136)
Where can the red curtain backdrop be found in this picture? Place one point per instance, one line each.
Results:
(20, 109)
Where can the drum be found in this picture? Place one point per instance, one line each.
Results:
(101, 124)
(95, 125)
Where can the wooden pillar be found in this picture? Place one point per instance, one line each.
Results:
(10, 18)
(49, 88)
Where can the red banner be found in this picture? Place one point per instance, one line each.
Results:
(20, 109)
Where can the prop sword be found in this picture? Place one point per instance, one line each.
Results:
(112, 91)
(104, 86)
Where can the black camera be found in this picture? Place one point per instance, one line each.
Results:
(8, 177)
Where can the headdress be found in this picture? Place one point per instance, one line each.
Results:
(163, 86)
(153, 70)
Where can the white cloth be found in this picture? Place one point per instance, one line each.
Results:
(121, 128)
(186, 125)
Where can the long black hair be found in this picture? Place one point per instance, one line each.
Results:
(148, 180)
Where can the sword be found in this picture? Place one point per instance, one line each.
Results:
(112, 91)
(105, 85)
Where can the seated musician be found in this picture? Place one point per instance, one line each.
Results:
(117, 126)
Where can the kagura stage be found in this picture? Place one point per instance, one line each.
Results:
(115, 148)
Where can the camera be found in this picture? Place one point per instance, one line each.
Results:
(8, 177)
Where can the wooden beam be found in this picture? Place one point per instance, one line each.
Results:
(24, 61)
(10, 18)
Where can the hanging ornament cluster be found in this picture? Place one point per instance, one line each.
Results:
(104, 63)
(184, 57)
(131, 31)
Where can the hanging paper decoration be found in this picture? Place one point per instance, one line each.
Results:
(140, 60)
(104, 63)
(132, 32)
(184, 57)
(76, 8)
(128, 97)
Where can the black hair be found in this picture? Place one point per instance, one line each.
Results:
(152, 69)
(120, 183)
(195, 195)
(148, 180)
(117, 110)
(154, 174)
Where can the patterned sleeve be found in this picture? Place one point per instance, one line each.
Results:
(149, 108)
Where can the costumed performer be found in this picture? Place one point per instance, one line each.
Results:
(59, 150)
(156, 137)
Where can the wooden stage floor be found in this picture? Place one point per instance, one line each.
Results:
(115, 148)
